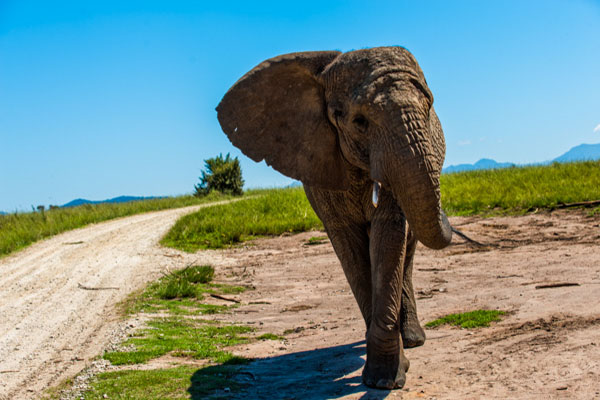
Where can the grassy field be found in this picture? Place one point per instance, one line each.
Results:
(520, 189)
(20, 230)
(492, 192)
(272, 212)
(269, 212)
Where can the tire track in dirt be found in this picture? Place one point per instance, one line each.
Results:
(49, 326)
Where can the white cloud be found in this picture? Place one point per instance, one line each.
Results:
(597, 128)
(464, 142)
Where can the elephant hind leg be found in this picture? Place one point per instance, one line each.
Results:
(412, 333)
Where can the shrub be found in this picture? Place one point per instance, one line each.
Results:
(222, 174)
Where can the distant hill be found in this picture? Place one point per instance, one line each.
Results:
(3, 213)
(120, 199)
(582, 152)
(484, 163)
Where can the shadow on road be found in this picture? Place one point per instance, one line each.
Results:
(315, 374)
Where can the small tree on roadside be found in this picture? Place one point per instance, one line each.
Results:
(222, 174)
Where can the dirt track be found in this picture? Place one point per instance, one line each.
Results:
(548, 346)
(50, 327)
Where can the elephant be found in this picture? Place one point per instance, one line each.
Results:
(359, 130)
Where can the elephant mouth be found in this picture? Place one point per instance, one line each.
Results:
(375, 196)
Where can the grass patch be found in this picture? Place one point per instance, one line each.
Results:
(180, 334)
(270, 336)
(468, 320)
(180, 338)
(316, 240)
(188, 282)
(520, 189)
(173, 383)
(181, 293)
(19, 230)
(271, 212)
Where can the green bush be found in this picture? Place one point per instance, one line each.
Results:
(221, 174)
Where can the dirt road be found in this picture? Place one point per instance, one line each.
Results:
(548, 346)
(57, 297)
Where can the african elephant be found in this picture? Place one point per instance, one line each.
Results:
(358, 129)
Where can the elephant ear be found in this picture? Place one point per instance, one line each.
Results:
(277, 112)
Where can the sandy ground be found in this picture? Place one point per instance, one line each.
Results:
(548, 346)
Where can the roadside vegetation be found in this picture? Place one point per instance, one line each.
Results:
(511, 191)
(19, 230)
(468, 320)
(265, 212)
(176, 326)
(518, 190)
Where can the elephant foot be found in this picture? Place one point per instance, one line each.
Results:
(412, 335)
(386, 364)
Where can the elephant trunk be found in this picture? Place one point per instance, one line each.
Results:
(411, 170)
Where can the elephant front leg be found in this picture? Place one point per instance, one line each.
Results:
(413, 334)
(386, 364)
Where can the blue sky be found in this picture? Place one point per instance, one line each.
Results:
(107, 98)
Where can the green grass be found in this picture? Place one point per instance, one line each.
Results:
(272, 212)
(180, 334)
(181, 338)
(19, 230)
(270, 336)
(188, 282)
(181, 293)
(182, 382)
(491, 192)
(316, 240)
(468, 320)
(519, 189)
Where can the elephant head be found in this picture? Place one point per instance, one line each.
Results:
(314, 115)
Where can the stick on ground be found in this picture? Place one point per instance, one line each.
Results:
(80, 286)
(555, 285)
(216, 296)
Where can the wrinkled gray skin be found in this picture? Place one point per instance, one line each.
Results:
(339, 122)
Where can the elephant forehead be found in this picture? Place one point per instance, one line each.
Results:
(368, 73)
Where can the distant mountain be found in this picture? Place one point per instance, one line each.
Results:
(3, 213)
(484, 163)
(582, 152)
(120, 199)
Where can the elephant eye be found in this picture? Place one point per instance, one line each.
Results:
(360, 122)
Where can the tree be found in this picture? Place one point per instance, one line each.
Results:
(221, 174)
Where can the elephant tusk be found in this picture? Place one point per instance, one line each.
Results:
(376, 187)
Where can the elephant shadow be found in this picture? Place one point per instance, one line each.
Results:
(325, 373)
